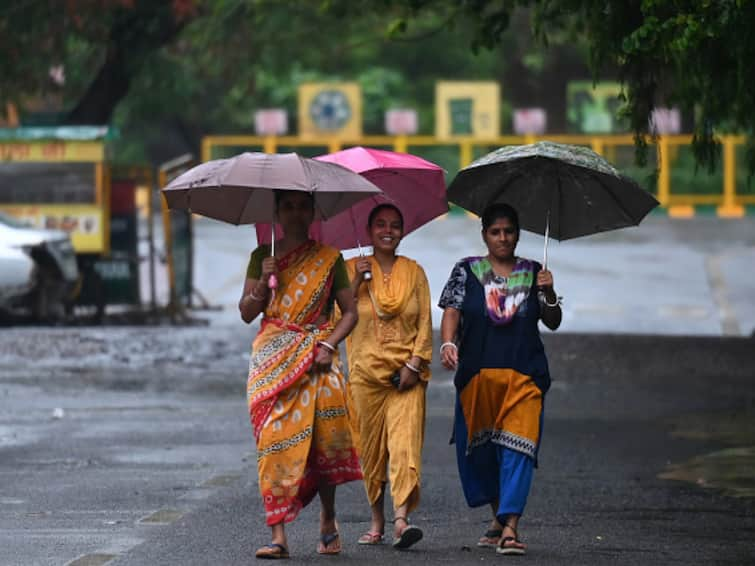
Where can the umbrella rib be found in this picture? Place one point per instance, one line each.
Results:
(318, 207)
(243, 208)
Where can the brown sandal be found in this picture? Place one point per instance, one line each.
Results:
(272, 551)
(490, 539)
(371, 537)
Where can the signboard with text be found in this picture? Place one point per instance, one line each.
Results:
(84, 222)
(52, 151)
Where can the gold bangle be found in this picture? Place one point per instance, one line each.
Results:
(327, 346)
(255, 297)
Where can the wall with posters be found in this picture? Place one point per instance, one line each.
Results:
(594, 108)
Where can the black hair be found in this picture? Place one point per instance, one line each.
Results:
(498, 211)
(278, 194)
(384, 206)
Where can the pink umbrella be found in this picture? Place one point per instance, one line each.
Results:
(416, 186)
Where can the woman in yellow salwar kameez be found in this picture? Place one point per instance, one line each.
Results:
(389, 352)
(295, 390)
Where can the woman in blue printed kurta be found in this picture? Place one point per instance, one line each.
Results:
(491, 308)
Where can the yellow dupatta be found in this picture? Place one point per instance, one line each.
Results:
(389, 294)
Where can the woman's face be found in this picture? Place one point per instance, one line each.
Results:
(295, 212)
(501, 238)
(386, 230)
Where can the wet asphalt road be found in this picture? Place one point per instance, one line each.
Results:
(131, 446)
(125, 445)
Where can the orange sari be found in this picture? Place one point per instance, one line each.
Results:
(300, 418)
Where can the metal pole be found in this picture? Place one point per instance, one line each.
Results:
(151, 244)
(729, 207)
(168, 244)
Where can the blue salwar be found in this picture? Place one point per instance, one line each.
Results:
(492, 472)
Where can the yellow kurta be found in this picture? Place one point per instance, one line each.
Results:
(390, 423)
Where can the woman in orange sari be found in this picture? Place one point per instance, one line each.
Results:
(295, 390)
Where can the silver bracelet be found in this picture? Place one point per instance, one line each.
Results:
(411, 367)
(455, 347)
(555, 303)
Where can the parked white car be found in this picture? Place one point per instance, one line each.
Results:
(38, 270)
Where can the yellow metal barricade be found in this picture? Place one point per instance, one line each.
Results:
(667, 152)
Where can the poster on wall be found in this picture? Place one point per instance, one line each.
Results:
(330, 110)
(593, 108)
(271, 122)
(85, 223)
(467, 109)
(666, 121)
(530, 121)
(401, 122)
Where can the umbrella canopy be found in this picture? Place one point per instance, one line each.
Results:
(570, 188)
(416, 186)
(239, 190)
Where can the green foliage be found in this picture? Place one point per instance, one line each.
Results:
(694, 54)
(242, 56)
(205, 65)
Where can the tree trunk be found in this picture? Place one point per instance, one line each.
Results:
(108, 88)
(126, 52)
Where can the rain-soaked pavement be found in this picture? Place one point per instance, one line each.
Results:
(131, 445)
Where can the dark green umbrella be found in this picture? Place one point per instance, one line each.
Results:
(561, 191)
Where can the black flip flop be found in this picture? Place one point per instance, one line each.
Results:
(326, 540)
(409, 536)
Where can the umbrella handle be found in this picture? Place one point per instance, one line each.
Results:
(367, 275)
(272, 281)
(547, 233)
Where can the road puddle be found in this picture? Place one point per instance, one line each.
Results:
(730, 470)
